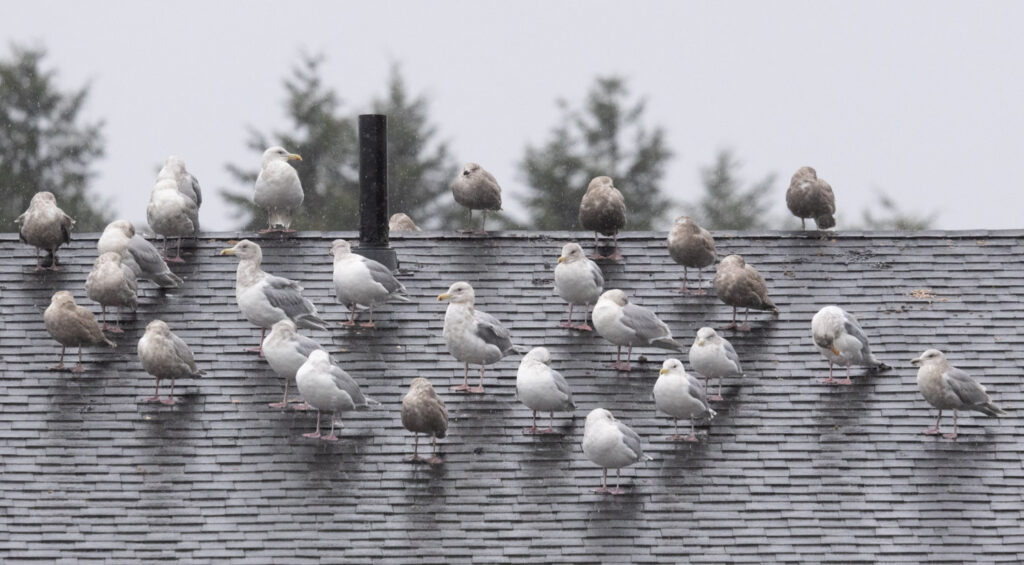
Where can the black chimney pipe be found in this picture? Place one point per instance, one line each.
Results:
(373, 190)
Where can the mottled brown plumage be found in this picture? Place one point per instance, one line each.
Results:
(811, 197)
(72, 326)
(477, 189)
(603, 210)
(691, 246)
(112, 283)
(739, 285)
(424, 412)
(46, 227)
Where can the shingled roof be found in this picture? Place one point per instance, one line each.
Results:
(792, 470)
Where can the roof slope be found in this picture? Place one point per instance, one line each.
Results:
(792, 471)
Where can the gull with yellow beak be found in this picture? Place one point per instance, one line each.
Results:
(278, 189)
(713, 356)
(579, 281)
(680, 395)
(841, 340)
(948, 388)
(473, 336)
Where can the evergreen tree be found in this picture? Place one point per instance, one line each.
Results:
(44, 145)
(606, 137)
(725, 205)
(896, 219)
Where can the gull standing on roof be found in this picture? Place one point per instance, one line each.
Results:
(740, 285)
(141, 256)
(542, 388)
(948, 388)
(610, 444)
(402, 222)
(713, 356)
(624, 323)
(265, 299)
(362, 282)
(679, 394)
(841, 340)
(579, 281)
(188, 185)
(286, 350)
(477, 189)
(46, 227)
(603, 210)
(166, 356)
(278, 189)
(472, 336)
(325, 386)
(172, 214)
(423, 412)
(691, 246)
(811, 197)
(72, 326)
(112, 283)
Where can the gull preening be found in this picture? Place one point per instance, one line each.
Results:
(542, 388)
(579, 282)
(811, 197)
(188, 185)
(360, 282)
(278, 189)
(477, 189)
(172, 214)
(472, 336)
(842, 341)
(112, 283)
(326, 387)
(610, 444)
(423, 412)
(692, 247)
(141, 256)
(680, 395)
(165, 356)
(603, 211)
(713, 356)
(740, 285)
(948, 388)
(46, 227)
(285, 350)
(72, 326)
(623, 323)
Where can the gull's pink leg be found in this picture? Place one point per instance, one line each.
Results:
(935, 430)
(567, 323)
(260, 348)
(330, 436)
(829, 380)
(479, 389)
(954, 434)
(170, 398)
(284, 399)
(465, 381)
(79, 368)
(156, 394)
(60, 364)
(370, 323)
(847, 380)
(531, 430)
(617, 490)
(315, 434)
(604, 483)
(435, 459)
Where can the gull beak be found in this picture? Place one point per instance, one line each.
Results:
(228, 251)
(835, 351)
(916, 361)
(444, 296)
(700, 342)
(663, 371)
(561, 259)
(293, 157)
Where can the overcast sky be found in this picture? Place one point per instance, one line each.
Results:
(920, 100)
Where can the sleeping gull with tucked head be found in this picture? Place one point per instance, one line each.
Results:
(540, 387)
(472, 336)
(691, 246)
(285, 351)
(679, 394)
(139, 254)
(477, 189)
(72, 326)
(423, 412)
(165, 356)
(624, 323)
(579, 281)
(713, 356)
(265, 299)
(362, 282)
(325, 386)
(811, 197)
(603, 210)
(610, 444)
(278, 189)
(46, 227)
(112, 283)
(840, 339)
(948, 388)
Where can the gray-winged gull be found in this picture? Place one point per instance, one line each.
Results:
(841, 340)
(624, 323)
(72, 326)
(46, 227)
(423, 412)
(714, 357)
(166, 356)
(542, 388)
(680, 395)
(692, 247)
(472, 336)
(112, 283)
(138, 253)
(579, 281)
(172, 214)
(285, 350)
(948, 388)
(326, 387)
(362, 282)
(603, 210)
(401, 222)
(610, 444)
(265, 299)
(188, 185)
(811, 197)
(740, 285)
(278, 189)
(477, 189)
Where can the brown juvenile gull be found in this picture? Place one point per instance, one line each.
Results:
(841, 340)
(360, 282)
(265, 299)
(739, 285)
(624, 323)
(691, 246)
(172, 214)
(45, 227)
(680, 395)
(165, 356)
(285, 351)
(188, 186)
(402, 222)
(948, 388)
(72, 326)
(278, 189)
(603, 210)
(138, 253)
(477, 189)
(472, 336)
(325, 386)
(542, 388)
(811, 197)
(423, 412)
(713, 356)
(610, 444)
(112, 283)
(579, 281)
